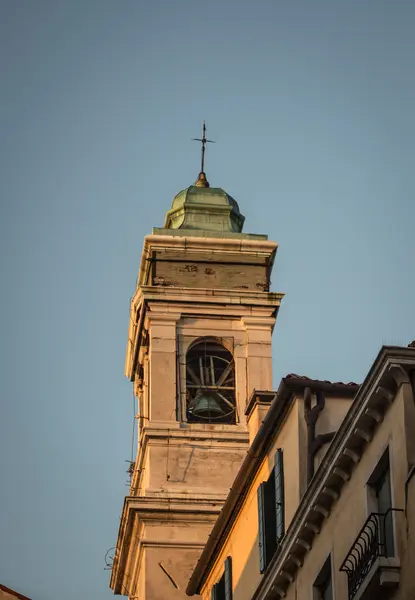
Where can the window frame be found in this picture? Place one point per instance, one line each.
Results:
(323, 580)
(271, 512)
(383, 469)
(222, 589)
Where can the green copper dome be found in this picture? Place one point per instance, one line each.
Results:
(202, 207)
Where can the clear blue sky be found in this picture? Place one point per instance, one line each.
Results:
(312, 107)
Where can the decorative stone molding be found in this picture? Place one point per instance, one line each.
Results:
(286, 575)
(312, 527)
(384, 392)
(155, 317)
(352, 454)
(362, 433)
(318, 508)
(297, 561)
(303, 543)
(263, 323)
(332, 493)
(374, 414)
(341, 473)
(281, 593)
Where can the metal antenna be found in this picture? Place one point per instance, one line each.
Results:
(204, 142)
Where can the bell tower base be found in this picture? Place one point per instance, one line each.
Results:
(165, 535)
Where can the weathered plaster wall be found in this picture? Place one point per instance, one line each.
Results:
(332, 416)
(330, 420)
(160, 562)
(191, 269)
(171, 550)
(183, 464)
(162, 366)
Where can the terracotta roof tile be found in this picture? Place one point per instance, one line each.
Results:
(317, 381)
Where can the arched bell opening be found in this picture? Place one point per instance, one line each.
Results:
(210, 383)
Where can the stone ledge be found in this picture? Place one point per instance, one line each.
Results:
(382, 577)
(208, 295)
(195, 494)
(177, 509)
(173, 431)
(159, 543)
(188, 234)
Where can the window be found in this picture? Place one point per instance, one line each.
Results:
(380, 502)
(223, 589)
(271, 512)
(323, 585)
(210, 383)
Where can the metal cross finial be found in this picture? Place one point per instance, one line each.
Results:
(204, 142)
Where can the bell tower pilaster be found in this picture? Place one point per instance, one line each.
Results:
(259, 352)
(162, 360)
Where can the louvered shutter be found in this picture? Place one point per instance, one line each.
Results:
(213, 592)
(261, 528)
(228, 578)
(279, 494)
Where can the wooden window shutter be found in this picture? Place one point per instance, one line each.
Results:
(228, 578)
(213, 592)
(261, 528)
(279, 494)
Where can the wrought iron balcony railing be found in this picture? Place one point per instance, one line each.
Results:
(374, 540)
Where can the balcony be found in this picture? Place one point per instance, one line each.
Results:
(371, 565)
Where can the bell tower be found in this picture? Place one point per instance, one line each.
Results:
(199, 342)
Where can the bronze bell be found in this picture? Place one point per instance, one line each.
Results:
(205, 405)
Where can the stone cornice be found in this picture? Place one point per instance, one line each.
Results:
(207, 296)
(182, 432)
(161, 317)
(258, 322)
(188, 242)
(217, 496)
(160, 543)
(203, 233)
(149, 506)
